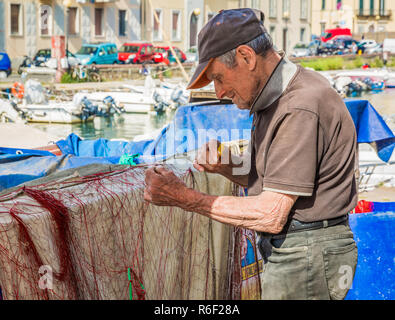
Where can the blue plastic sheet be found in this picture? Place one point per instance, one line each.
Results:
(374, 234)
(371, 128)
(16, 169)
(75, 146)
(195, 125)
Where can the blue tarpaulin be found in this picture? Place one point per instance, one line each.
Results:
(374, 234)
(189, 131)
(371, 128)
(191, 127)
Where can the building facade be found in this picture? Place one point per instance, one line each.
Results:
(373, 19)
(28, 25)
(288, 22)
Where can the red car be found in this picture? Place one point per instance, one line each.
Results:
(164, 54)
(136, 52)
(334, 33)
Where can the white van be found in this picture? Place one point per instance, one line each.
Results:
(389, 45)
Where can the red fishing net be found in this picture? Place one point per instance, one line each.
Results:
(94, 237)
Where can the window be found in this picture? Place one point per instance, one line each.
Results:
(303, 9)
(193, 30)
(273, 9)
(45, 20)
(176, 26)
(157, 33)
(98, 21)
(16, 19)
(272, 32)
(323, 27)
(361, 7)
(254, 4)
(285, 39)
(323, 5)
(122, 23)
(286, 7)
(371, 7)
(72, 21)
(302, 33)
(382, 7)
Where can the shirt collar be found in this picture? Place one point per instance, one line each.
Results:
(276, 85)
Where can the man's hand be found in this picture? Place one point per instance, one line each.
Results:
(209, 159)
(163, 187)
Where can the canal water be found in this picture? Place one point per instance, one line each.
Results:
(129, 125)
(124, 127)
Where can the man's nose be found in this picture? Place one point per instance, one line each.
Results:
(219, 91)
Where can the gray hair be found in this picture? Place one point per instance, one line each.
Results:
(261, 45)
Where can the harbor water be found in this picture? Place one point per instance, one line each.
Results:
(124, 127)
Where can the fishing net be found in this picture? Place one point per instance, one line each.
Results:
(88, 234)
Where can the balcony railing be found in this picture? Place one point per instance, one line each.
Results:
(369, 13)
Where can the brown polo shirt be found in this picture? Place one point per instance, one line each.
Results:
(303, 142)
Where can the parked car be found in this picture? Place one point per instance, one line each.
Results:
(345, 44)
(5, 65)
(136, 52)
(338, 46)
(301, 50)
(376, 49)
(332, 33)
(71, 59)
(365, 44)
(164, 52)
(98, 53)
(327, 48)
(41, 56)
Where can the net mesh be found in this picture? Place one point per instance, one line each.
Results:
(94, 237)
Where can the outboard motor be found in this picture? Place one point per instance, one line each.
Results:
(354, 90)
(160, 105)
(87, 108)
(178, 98)
(374, 85)
(111, 106)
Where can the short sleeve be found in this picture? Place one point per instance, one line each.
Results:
(292, 158)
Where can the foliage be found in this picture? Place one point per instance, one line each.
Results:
(336, 63)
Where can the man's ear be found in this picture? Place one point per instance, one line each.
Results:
(247, 56)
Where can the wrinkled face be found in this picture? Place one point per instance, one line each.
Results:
(234, 83)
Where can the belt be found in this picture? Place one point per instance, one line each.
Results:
(295, 225)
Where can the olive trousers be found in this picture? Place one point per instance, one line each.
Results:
(316, 264)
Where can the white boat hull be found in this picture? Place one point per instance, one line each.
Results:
(131, 102)
(53, 113)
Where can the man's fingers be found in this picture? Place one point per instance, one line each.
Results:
(198, 166)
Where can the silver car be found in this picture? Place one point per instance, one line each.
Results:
(301, 50)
